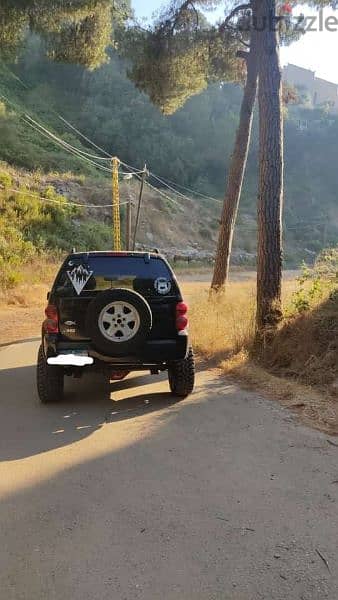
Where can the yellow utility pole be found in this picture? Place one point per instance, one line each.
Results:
(116, 205)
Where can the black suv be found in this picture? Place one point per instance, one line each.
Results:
(114, 312)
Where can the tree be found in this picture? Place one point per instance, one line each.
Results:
(175, 22)
(169, 69)
(237, 165)
(78, 31)
(179, 57)
(83, 41)
(258, 23)
(254, 60)
(270, 186)
(13, 24)
(169, 88)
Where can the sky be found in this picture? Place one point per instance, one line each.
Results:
(316, 50)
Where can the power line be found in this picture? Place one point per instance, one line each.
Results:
(87, 156)
(83, 156)
(84, 136)
(64, 120)
(16, 106)
(132, 170)
(49, 135)
(14, 76)
(74, 151)
(56, 139)
(70, 202)
(109, 156)
(65, 147)
(159, 192)
(166, 182)
(170, 188)
(66, 144)
(69, 147)
(59, 202)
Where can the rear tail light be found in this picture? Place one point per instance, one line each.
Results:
(181, 318)
(51, 324)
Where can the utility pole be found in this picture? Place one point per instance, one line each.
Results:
(116, 204)
(128, 221)
(144, 174)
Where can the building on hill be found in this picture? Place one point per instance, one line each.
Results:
(321, 91)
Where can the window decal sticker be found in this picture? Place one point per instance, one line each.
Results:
(162, 285)
(79, 276)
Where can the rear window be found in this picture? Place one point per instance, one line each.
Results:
(82, 275)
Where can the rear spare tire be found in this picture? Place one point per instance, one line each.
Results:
(118, 322)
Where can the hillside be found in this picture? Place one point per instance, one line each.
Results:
(39, 222)
(190, 149)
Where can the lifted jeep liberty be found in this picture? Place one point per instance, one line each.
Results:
(114, 312)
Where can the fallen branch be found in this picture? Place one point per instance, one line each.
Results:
(324, 560)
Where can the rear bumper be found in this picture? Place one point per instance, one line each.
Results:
(153, 352)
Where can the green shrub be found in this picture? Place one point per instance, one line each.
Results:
(5, 179)
(14, 251)
(30, 226)
(316, 281)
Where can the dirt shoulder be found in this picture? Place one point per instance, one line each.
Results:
(21, 318)
(19, 323)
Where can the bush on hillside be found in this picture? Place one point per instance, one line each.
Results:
(14, 251)
(33, 224)
(306, 346)
(317, 281)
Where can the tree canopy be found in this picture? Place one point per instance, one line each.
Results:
(171, 68)
(78, 31)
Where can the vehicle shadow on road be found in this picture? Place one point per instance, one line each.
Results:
(28, 427)
(177, 506)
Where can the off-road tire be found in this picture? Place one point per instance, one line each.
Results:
(181, 375)
(49, 380)
(109, 347)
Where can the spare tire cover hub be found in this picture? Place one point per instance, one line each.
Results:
(119, 321)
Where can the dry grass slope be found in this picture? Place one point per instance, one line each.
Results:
(223, 325)
(306, 347)
(299, 367)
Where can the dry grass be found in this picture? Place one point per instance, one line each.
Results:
(223, 324)
(298, 368)
(37, 276)
(22, 309)
(306, 346)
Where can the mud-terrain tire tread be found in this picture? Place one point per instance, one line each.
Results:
(181, 375)
(49, 380)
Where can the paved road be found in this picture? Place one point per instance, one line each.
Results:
(129, 497)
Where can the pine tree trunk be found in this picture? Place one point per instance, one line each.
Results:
(236, 171)
(270, 186)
